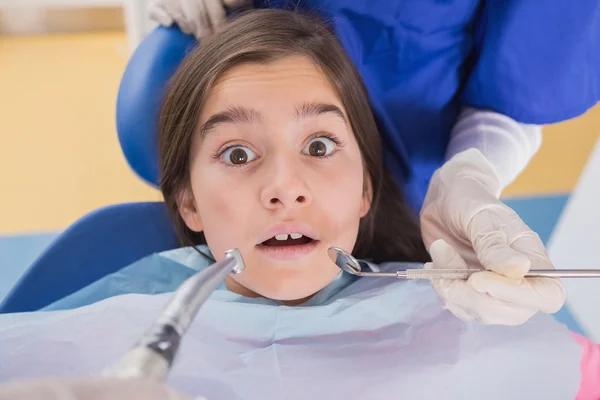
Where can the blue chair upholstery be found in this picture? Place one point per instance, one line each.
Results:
(141, 92)
(110, 238)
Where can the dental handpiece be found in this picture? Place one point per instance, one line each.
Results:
(153, 354)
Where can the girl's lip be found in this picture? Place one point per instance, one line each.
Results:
(293, 252)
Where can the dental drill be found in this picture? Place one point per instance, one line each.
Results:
(153, 354)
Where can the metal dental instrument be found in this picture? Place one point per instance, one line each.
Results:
(348, 263)
(153, 354)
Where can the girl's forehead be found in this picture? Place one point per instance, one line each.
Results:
(295, 66)
(290, 79)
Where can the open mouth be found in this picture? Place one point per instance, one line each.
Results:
(292, 239)
(288, 243)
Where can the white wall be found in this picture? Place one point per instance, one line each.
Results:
(42, 16)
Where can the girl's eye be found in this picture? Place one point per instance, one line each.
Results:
(237, 155)
(320, 147)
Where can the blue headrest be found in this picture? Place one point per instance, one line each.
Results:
(141, 92)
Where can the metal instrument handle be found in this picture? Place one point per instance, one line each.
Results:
(466, 273)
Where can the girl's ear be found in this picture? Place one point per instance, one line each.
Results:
(188, 210)
(367, 199)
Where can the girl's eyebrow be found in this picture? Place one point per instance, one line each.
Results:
(233, 115)
(313, 109)
(244, 115)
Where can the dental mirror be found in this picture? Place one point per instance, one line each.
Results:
(344, 261)
(347, 263)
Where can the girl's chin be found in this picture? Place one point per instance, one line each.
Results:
(281, 282)
(289, 295)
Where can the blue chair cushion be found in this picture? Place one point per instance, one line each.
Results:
(140, 95)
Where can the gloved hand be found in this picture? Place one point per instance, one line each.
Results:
(88, 389)
(462, 207)
(194, 17)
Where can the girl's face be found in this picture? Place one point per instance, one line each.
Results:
(277, 173)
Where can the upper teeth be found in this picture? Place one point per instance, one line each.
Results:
(284, 236)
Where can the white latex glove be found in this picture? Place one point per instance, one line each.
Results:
(462, 207)
(194, 17)
(88, 389)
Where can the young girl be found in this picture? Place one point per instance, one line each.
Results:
(268, 145)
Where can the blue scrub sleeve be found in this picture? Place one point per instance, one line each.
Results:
(537, 62)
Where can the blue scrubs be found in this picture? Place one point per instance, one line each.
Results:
(535, 61)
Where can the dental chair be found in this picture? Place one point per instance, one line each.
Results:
(111, 238)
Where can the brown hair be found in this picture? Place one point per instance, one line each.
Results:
(389, 232)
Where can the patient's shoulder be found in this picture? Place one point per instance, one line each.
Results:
(154, 274)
